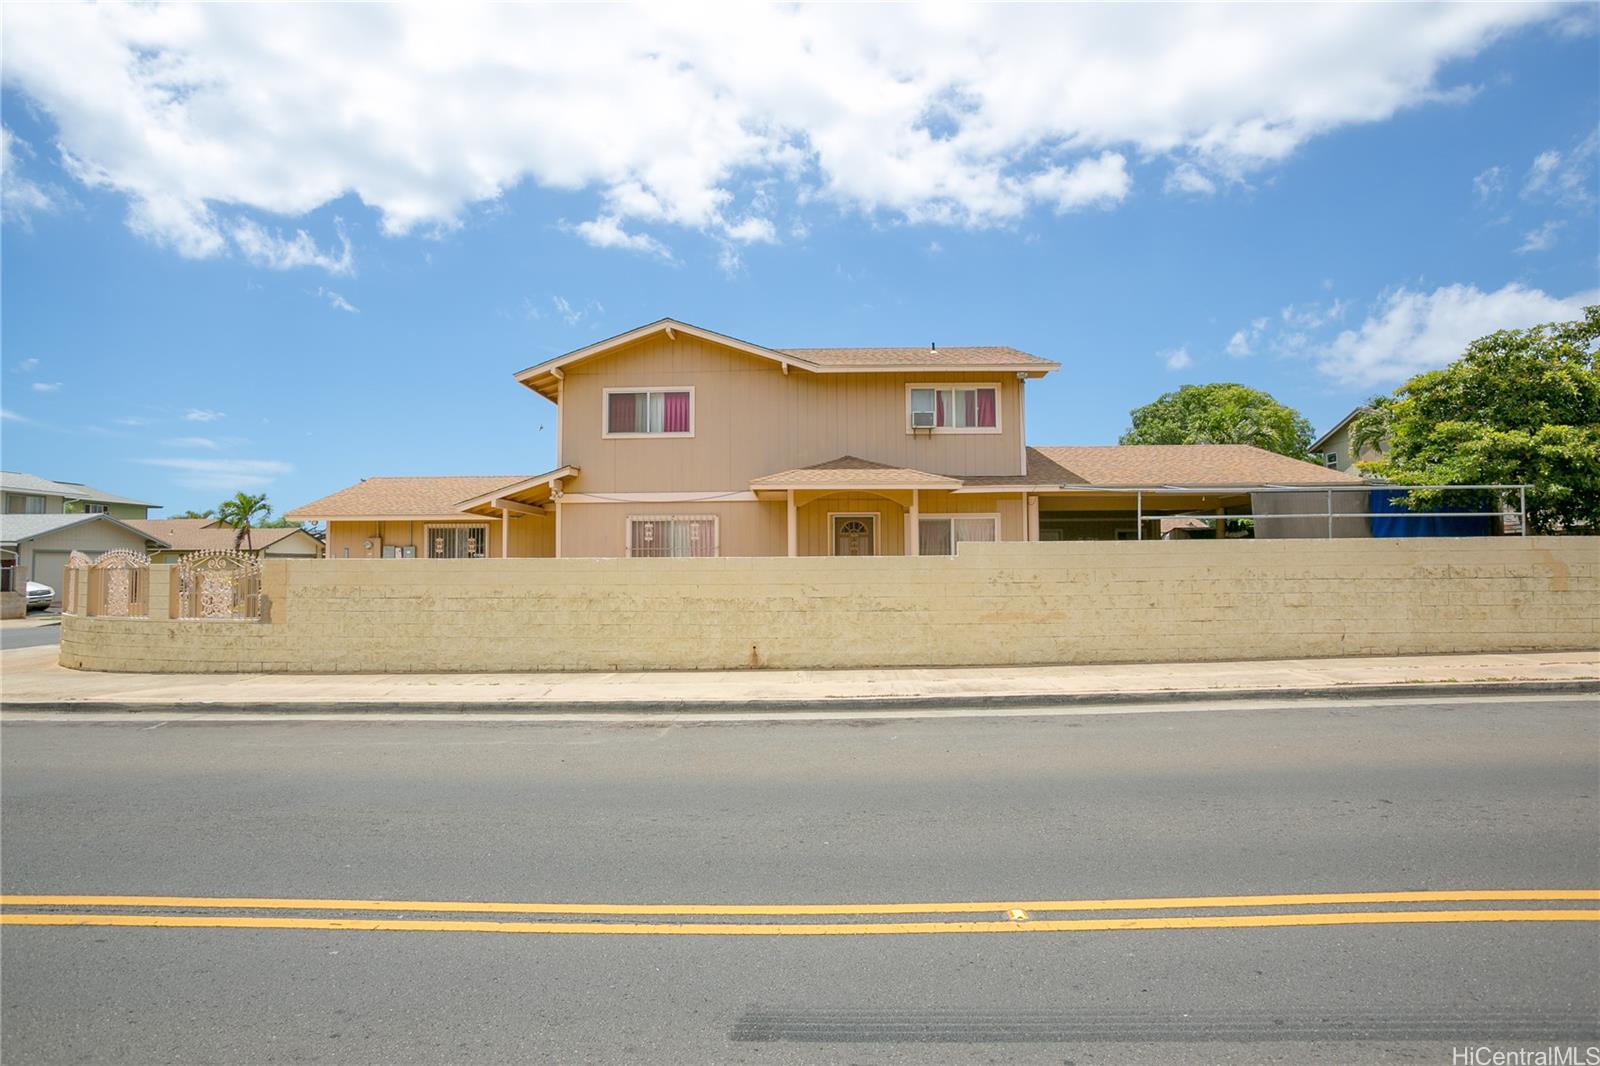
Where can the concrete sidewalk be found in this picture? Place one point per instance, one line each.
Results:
(31, 680)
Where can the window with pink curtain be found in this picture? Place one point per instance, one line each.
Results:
(985, 400)
(939, 418)
(677, 413)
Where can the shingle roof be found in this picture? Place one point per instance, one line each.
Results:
(403, 497)
(976, 357)
(1188, 464)
(197, 534)
(851, 472)
(16, 528)
(13, 481)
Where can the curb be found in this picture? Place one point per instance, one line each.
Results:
(838, 705)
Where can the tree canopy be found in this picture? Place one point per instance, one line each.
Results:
(1520, 406)
(240, 511)
(1221, 413)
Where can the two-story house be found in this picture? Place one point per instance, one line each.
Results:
(673, 440)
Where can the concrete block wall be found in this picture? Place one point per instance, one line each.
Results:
(993, 604)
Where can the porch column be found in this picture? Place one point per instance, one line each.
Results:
(914, 534)
(555, 494)
(794, 527)
(1031, 506)
(505, 533)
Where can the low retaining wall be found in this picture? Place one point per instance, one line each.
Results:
(994, 604)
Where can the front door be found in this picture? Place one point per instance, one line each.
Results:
(854, 534)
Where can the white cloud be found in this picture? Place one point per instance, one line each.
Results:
(200, 414)
(1176, 358)
(1564, 177)
(1244, 341)
(1488, 185)
(276, 252)
(47, 386)
(27, 365)
(1541, 239)
(131, 420)
(223, 473)
(8, 415)
(1415, 331)
(205, 443)
(20, 199)
(960, 115)
(573, 315)
(607, 232)
(337, 302)
(753, 231)
(1188, 178)
(1099, 182)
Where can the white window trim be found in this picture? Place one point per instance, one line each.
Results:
(716, 531)
(993, 516)
(427, 538)
(877, 528)
(605, 412)
(999, 396)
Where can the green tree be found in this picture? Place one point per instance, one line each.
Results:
(1221, 413)
(197, 514)
(240, 511)
(1521, 406)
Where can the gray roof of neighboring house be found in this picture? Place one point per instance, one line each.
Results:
(13, 481)
(16, 528)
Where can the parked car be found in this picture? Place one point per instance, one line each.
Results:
(39, 595)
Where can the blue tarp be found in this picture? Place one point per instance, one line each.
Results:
(1439, 520)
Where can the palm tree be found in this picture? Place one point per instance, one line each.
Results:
(240, 511)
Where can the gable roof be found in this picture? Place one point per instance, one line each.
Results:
(544, 377)
(847, 471)
(197, 534)
(14, 481)
(381, 498)
(1317, 445)
(1142, 465)
(18, 528)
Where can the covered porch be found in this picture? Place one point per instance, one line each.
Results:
(850, 506)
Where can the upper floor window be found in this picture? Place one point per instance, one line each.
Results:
(957, 409)
(649, 412)
(17, 503)
(96, 508)
(1331, 459)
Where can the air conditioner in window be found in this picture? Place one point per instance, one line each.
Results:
(921, 419)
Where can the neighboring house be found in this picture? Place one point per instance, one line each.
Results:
(672, 440)
(38, 544)
(1334, 449)
(186, 535)
(27, 494)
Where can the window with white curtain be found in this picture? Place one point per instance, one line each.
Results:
(957, 409)
(672, 536)
(940, 534)
(649, 412)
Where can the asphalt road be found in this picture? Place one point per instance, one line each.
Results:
(37, 631)
(1491, 794)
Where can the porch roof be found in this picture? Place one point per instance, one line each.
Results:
(850, 472)
(530, 493)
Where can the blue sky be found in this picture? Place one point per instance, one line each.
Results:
(281, 256)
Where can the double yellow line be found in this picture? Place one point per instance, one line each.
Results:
(1005, 917)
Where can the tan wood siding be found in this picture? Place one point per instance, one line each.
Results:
(815, 532)
(751, 419)
(532, 537)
